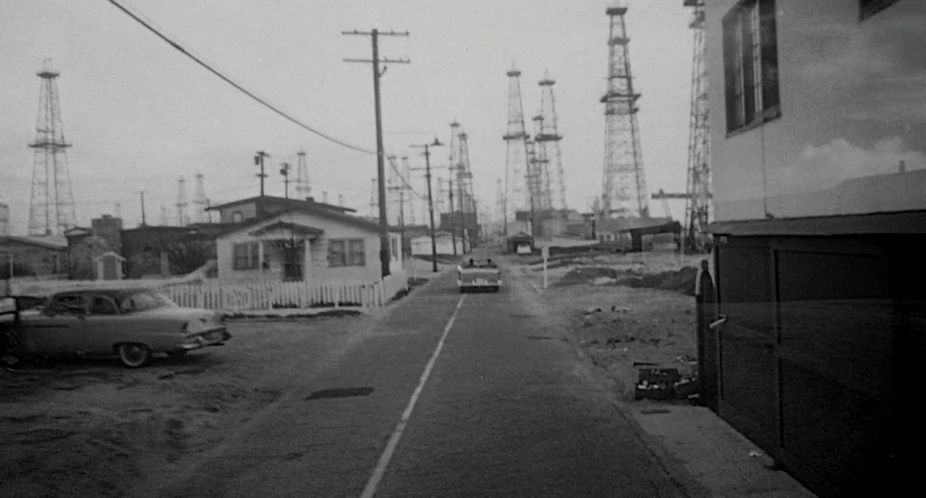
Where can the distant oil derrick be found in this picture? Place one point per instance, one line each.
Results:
(51, 209)
(624, 181)
(698, 200)
(548, 136)
(303, 189)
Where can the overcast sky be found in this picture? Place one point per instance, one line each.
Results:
(140, 114)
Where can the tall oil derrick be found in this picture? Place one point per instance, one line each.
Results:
(51, 209)
(549, 136)
(199, 200)
(454, 166)
(182, 219)
(698, 201)
(516, 165)
(303, 189)
(538, 177)
(624, 182)
(465, 178)
(500, 206)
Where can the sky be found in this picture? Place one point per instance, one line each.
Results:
(140, 114)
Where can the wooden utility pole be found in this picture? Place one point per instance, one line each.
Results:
(141, 194)
(259, 161)
(453, 214)
(427, 175)
(380, 155)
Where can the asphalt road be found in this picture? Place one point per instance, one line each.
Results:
(442, 395)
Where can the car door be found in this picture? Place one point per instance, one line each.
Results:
(57, 329)
(103, 327)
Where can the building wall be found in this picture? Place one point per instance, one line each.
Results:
(38, 260)
(852, 96)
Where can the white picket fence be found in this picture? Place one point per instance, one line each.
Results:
(248, 295)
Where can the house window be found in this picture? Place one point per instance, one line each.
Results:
(868, 8)
(346, 252)
(237, 216)
(246, 256)
(750, 57)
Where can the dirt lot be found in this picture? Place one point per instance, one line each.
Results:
(92, 424)
(627, 310)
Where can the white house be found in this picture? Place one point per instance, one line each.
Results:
(305, 243)
(818, 156)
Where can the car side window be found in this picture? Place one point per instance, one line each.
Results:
(69, 304)
(103, 305)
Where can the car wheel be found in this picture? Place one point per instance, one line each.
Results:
(133, 355)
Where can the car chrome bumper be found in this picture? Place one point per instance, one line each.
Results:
(213, 338)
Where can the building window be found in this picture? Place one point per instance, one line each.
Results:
(868, 8)
(346, 252)
(246, 256)
(750, 57)
(237, 216)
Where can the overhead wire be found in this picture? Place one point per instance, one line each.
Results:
(176, 45)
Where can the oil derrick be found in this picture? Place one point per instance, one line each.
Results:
(624, 182)
(499, 206)
(539, 175)
(465, 178)
(698, 202)
(303, 189)
(549, 136)
(516, 166)
(199, 200)
(51, 209)
(181, 203)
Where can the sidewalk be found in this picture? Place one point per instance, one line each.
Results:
(720, 460)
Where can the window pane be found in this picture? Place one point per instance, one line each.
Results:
(336, 254)
(356, 253)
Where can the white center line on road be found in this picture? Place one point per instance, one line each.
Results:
(380, 469)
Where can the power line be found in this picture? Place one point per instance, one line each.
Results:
(237, 86)
(176, 45)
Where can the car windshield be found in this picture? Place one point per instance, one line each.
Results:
(145, 300)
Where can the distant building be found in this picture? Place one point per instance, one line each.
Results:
(254, 207)
(4, 219)
(45, 256)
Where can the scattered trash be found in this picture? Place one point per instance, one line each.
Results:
(755, 454)
(664, 383)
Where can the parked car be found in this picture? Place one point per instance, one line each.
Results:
(130, 323)
(479, 276)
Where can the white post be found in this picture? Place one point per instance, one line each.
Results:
(545, 252)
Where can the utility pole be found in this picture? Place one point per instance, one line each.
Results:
(259, 161)
(453, 215)
(141, 193)
(380, 166)
(284, 170)
(427, 175)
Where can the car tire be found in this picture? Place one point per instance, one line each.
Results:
(133, 354)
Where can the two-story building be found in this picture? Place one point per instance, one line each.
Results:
(818, 126)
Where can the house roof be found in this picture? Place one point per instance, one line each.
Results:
(296, 228)
(331, 215)
(293, 203)
(617, 225)
(46, 242)
(908, 222)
